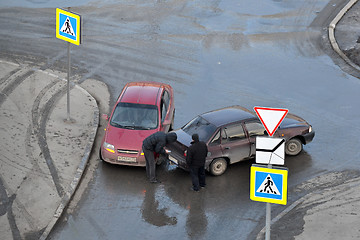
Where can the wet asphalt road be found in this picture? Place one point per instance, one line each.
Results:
(214, 54)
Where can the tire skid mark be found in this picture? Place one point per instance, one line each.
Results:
(41, 135)
(41, 130)
(5, 199)
(6, 208)
(7, 76)
(11, 86)
(32, 130)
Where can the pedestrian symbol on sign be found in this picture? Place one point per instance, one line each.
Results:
(268, 186)
(67, 28)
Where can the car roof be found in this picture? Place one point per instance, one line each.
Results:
(228, 115)
(142, 92)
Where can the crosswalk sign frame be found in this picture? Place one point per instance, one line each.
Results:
(258, 175)
(74, 21)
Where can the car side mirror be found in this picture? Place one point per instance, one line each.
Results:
(105, 117)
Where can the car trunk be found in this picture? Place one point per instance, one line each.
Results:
(178, 148)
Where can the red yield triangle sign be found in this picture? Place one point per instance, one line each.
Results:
(271, 117)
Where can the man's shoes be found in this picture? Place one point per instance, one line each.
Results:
(202, 186)
(155, 181)
(192, 189)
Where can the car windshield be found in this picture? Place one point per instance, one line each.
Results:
(135, 116)
(200, 126)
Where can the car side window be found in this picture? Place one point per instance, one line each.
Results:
(255, 129)
(166, 97)
(216, 139)
(233, 133)
(163, 111)
(165, 101)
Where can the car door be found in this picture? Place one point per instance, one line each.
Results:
(234, 143)
(254, 129)
(164, 111)
(214, 148)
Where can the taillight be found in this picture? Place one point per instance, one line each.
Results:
(185, 152)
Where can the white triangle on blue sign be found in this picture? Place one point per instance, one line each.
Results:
(67, 27)
(268, 186)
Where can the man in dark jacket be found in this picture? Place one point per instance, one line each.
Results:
(195, 159)
(154, 144)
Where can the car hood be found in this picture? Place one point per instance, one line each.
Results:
(126, 138)
(293, 120)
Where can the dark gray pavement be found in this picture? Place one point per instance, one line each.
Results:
(43, 157)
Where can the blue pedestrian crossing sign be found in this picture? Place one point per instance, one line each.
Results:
(68, 26)
(268, 184)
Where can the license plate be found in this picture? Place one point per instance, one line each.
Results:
(173, 159)
(126, 159)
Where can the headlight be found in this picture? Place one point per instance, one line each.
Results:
(310, 129)
(109, 147)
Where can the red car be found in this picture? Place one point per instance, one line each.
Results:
(142, 109)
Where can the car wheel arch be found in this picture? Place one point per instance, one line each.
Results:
(100, 155)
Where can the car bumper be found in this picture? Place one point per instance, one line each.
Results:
(179, 161)
(309, 137)
(122, 159)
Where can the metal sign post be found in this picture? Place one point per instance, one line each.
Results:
(268, 217)
(268, 221)
(267, 184)
(68, 83)
(68, 28)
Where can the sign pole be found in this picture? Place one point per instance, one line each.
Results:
(68, 84)
(268, 216)
(68, 80)
(68, 28)
(271, 119)
(268, 220)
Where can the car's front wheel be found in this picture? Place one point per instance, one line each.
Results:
(100, 156)
(218, 166)
(293, 147)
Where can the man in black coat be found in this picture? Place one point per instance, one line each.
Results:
(154, 144)
(195, 159)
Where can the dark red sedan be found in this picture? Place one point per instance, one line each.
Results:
(230, 134)
(141, 109)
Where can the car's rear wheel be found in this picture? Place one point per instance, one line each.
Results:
(218, 166)
(293, 146)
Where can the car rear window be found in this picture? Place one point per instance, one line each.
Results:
(200, 126)
(135, 116)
